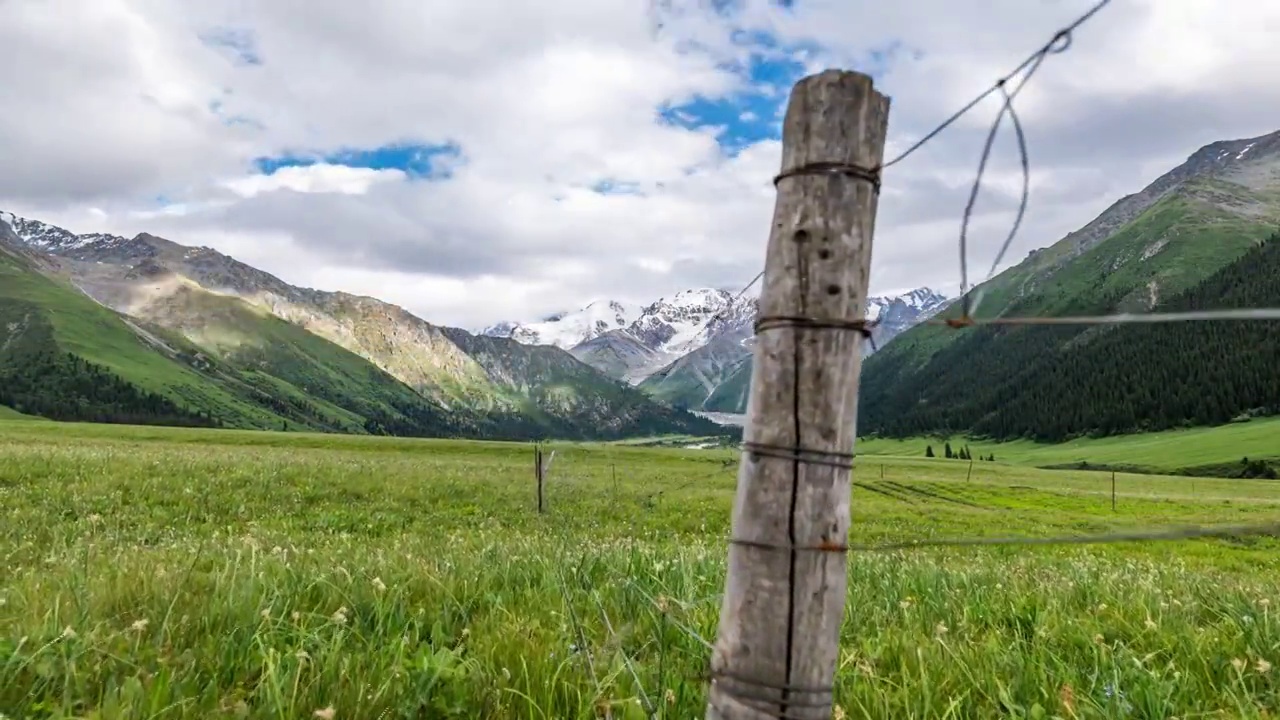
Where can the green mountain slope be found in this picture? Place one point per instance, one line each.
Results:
(306, 378)
(255, 352)
(1157, 249)
(693, 378)
(1146, 249)
(1172, 245)
(1054, 383)
(64, 356)
(569, 393)
(8, 413)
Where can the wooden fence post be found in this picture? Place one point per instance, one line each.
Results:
(537, 472)
(778, 639)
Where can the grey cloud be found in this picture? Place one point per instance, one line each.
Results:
(1105, 132)
(75, 131)
(355, 230)
(84, 120)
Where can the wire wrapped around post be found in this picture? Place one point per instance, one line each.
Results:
(778, 640)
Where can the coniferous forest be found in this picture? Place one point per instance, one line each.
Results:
(36, 378)
(1052, 383)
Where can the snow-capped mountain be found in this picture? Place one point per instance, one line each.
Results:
(679, 323)
(569, 329)
(690, 318)
(51, 238)
(720, 369)
(896, 313)
(337, 363)
(635, 342)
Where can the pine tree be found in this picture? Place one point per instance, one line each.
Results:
(1041, 383)
(947, 451)
(928, 451)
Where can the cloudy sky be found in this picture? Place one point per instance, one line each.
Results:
(501, 159)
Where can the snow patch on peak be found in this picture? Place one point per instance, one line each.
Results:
(687, 320)
(568, 329)
(51, 238)
(922, 302)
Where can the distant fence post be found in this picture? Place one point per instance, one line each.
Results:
(537, 472)
(1113, 491)
(778, 639)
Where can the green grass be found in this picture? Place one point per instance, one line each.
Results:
(8, 413)
(162, 573)
(1169, 451)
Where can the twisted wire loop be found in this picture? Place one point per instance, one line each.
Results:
(862, 327)
(764, 696)
(774, 710)
(827, 167)
(808, 456)
(773, 322)
(828, 458)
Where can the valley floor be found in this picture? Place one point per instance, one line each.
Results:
(169, 573)
(1191, 450)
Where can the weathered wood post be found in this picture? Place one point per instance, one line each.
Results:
(778, 639)
(537, 472)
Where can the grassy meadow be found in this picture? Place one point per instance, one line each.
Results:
(1168, 450)
(164, 573)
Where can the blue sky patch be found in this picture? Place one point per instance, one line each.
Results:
(616, 187)
(754, 113)
(239, 43)
(416, 160)
(751, 114)
(218, 108)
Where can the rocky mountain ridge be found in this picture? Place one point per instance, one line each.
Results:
(223, 306)
(717, 376)
(703, 328)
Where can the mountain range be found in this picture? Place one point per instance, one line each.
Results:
(682, 349)
(1202, 236)
(106, 328)
(143, 329)
(1194, 238)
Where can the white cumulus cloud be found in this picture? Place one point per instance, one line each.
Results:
(110, 104)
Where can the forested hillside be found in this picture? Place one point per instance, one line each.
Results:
(156, 347)
(1056, 382)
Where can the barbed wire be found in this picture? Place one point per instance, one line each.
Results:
(1023, 72)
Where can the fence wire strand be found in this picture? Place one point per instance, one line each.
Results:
(1008, 88)
(1059, 43)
